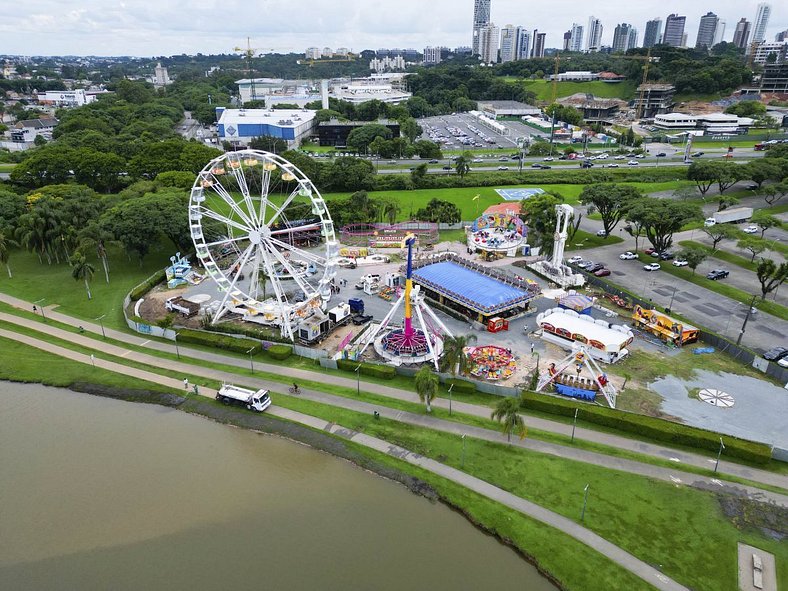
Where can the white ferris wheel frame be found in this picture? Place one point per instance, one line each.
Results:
(251, 225)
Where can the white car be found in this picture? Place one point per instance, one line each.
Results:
(548, 159)
(603, 156)
(628, 256)
(620, 157)
(477, 160)
(633, 163)
(574, 260)
(652, 267)
(751, 230)
(640, 156)
(680, 263)
(612, 165)
(503, 168)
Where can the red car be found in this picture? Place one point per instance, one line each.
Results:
(650, 251)
(602, 272)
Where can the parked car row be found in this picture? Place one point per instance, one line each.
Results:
(597, 269)
(778, 355)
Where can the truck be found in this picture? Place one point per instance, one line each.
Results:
(729, 216)
(182, 306)
(257, 400)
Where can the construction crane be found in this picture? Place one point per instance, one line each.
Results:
(350, 57)
(248, 53)
(648, 61)
(555, 74)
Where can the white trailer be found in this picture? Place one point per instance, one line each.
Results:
(253, 400)
(729, 216)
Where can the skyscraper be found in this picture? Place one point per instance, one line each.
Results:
(576, 41)
(523, 49)
(567, 40)
(674, 30)
(761, 22)
(781, 36)
(539, 41)
(508, 43)
(707, 30)
(632, 40)
(594, 34)
(741, 35)
(653, 34)
(621, 37)
(720, 32)
(481, 18)
(488, 43)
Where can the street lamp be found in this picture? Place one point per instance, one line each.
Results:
(670, 306)
(100, 318)
(40, 307)
(450, 389)
(585, 501)
(462, 462)
(358, 380)
(719, 453)
(251, 363)
(746, 318)
(574, 424)
(177, 353)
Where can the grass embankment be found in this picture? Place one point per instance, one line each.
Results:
(543, 89)
(583, 240)
(6, 166)
(721, 255)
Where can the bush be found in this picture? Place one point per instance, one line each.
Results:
(144, 287)
(261, 333)
(219, 341)
(373, 370)
(461, 386)
(280, 352)
(652, 428)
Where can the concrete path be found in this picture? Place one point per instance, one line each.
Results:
(567, 526)
(297, 375)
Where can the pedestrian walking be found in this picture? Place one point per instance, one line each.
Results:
(532, 348)
(196, 389)
(185, 383)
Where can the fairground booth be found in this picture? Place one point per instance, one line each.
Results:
(664, 327)
(388, 235)
(475, 291)
(498, 232)
(570, 330)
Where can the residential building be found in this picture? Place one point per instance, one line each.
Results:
(761, 22)
(463, 50)
(488, 43)
(781, 36)
(539, 42)
(707, 30)
(335, 133)
(432, 55)
(29, 129)
(342, 51)
(567, 40)
(65, 98)
(621, 37)
(594, 34)
(312, 53)
(508, 43)
(674, 30)
(741, 35)
(328, 52)
(632, 42)
(387, 64)
(720, 33)
(241, 126)
(775, 78)
(656, 99)
(576, 40)
(764, 50)
(160, 76)
(653, 34)
(481, 18)
(523, 48)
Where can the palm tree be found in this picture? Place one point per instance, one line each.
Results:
(506, 413)
(31, 233)
(454, 358)
(390, 211)
(5, 251)
(94, 235)
(81, 269)
(462, 165)
(426, 385)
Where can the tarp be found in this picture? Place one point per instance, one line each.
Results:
(577, 302)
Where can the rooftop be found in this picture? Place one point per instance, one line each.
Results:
(279, 117)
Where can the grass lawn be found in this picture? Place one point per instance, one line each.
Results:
(585, 239)
(722, 255)
(452, 236)
(6, 166)
(543, 89)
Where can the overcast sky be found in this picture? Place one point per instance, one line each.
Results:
(167, 27)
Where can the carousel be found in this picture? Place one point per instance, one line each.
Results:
(490, 363)
(496, 235)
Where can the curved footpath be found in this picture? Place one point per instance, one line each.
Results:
(567, 526)
(616, 441)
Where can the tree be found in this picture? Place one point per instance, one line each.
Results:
(426, 383)
(563, 113)
(390, 211)
(703, 174)
(454, 358)
(361, 137)
(770, 275)
(660, 218)
(267, 143)
(439, 211)
(694, 257)
(540, 217)
(506, 413)
(463, 164)
(5, 251)
(81, 269)
(410, 128)
(719, 232)
(725, 201)
(761, 170)
(755, 245)
(765, 221)
(635, 229)
(609, 201)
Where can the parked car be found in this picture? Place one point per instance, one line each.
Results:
(783, 362)
(359, 319)
(776, 353)
(601, 233)
(652, 267)
(619, 157)
(574, 260)
(717, 274)
(680, 263)
(602, 272)
(650, 251)
(751, 229)
(631, 155)
(666, 256)
(595, 267)
(585, 264)
(628, 256)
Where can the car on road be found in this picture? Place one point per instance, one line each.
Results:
(652, 267)
(698, 154)
(545, 167)
(585, 264)
(433, 161)
(680, 263)
(595, 267)
(613, 165)
(574, 260)
(548, 159)
(753, 187)
(601, 233)
(661, 155)
(536, 165)
(640, 156)
(628, 256)
(776, 354)
(633, 163)
(751, 230)
(631, 155)
(717, 274)
(586, 164)
(477, 160)
(503, 159)
(619, 157)
(503, 168)
(447, 168)
(602, 272)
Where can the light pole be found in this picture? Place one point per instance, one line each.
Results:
(251, 362)
(450, 389)
(585, 501)
(746, 318)
(719, 453)
(100, 318)
(177, 353)
(670, 306)
(462, 462)
(40, 307)
(358, 380)
(574, 424)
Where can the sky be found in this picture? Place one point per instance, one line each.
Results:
(169, 27)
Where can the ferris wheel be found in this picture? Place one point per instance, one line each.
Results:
(264, 235)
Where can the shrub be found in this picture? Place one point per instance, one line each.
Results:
(374, 370)
(144, 287)
(219, 341)
(461, 386)
(280, 352)
(652, 428)
(262, 333)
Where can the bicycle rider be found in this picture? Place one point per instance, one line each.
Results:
(295, 388)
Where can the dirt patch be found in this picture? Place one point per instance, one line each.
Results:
(770, 518)
(129, 394)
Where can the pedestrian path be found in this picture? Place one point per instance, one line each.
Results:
(563, 524)
(296, 374)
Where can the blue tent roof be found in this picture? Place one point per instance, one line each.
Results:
(469, 287)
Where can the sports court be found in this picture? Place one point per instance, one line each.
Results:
(518, 194)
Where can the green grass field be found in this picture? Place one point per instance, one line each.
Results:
(543, 89)
(6, 167)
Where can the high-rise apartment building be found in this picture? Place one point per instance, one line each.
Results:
(761, 22)
(720, 32)
(539, 41)
(523, 48)
(741, 36)
(567, 41)
(488, 43)
(432, 55)
(781, 36)
(576, 40)
(632, 41)
(594, 34)
(707, 30)
(621, 37)
(481, 18)
(653, 34)
(674, 30)
(508, 43)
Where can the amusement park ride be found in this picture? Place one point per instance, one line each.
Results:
(577, 386)
(409, 345)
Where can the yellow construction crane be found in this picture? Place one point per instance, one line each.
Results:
(648, 61)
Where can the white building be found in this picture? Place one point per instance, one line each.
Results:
(366, 89)
(764, 49)
(575, 77)
(161, 77)
(594, 34)
(508, 43)
(387, 64)
(328, 52)
(432, 55)
(312, 53)
(65, 98)
(576, 38)
(488, 43)
(342, 51)
(29, 129)
(761, 22)
(709, 123)
(240, 126)
(481, 18)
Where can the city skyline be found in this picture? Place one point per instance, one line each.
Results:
(134, 27)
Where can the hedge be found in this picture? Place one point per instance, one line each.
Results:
(651, 427)
(261, 333)
(461, 386)
(280, 352)
(219, 341)
(374, 370)
(144, 287)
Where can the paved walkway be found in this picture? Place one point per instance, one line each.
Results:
(616, 441)
(567, 526)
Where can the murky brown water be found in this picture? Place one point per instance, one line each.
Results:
(101, 494)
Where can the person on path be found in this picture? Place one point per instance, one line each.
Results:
(532, 348)
(186, 383)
